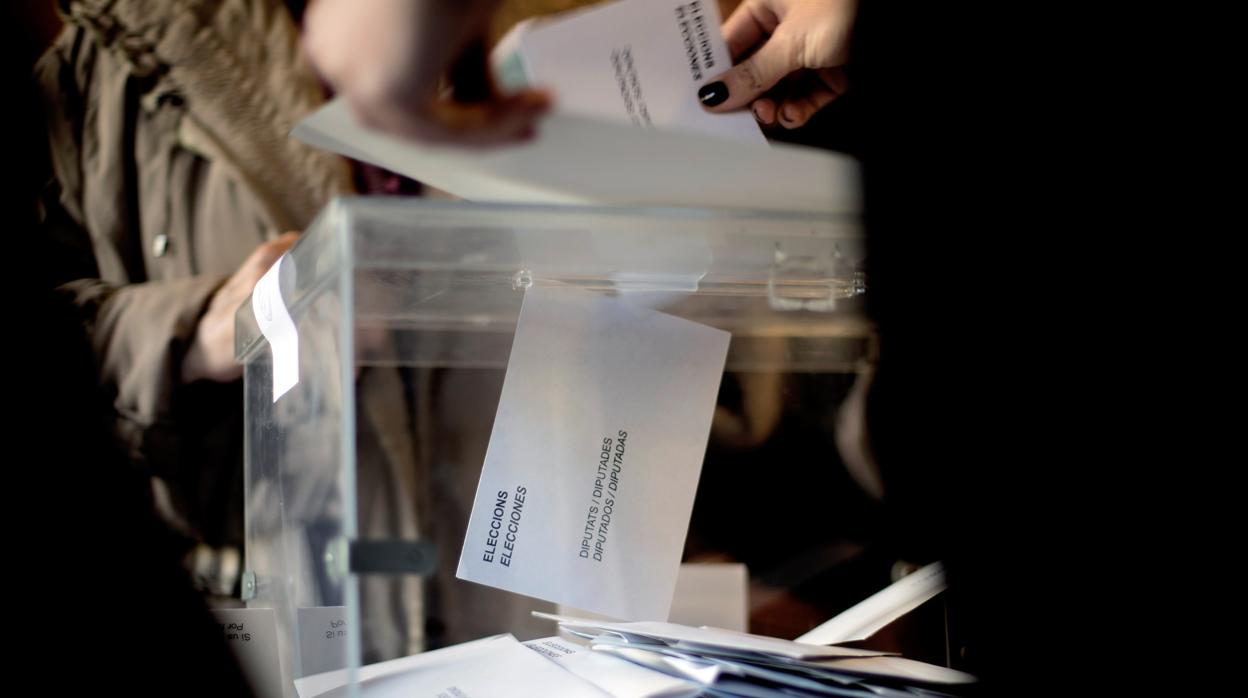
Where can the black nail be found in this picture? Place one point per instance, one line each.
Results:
(713, 94)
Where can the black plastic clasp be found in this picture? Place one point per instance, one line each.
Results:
(393, 557)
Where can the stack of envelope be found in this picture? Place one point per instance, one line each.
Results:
(641, 660)
(650, 659)
(715, 662)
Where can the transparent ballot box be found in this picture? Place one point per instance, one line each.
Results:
(385, 333)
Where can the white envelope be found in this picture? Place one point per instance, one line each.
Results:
(496, 666)
(805, 675)
(899, 668)
(711, 638)
(617, 677)
(638, 62)
(594, 459)
(864, 619)
(582, 160)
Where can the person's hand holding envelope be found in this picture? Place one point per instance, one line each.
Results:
(789, 55)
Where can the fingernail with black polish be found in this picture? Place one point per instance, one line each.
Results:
(713, 94)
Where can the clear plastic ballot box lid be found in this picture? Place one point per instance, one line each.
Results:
(386, 332)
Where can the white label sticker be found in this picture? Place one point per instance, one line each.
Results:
(251, 634)
(278, 328)
(322, 638)
(595, 454)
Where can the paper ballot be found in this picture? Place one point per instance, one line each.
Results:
(583, 160)
(595, 455)
(637, 62)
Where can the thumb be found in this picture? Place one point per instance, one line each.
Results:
(265, 256)
(749, 80)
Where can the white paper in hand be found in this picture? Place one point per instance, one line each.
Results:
(595, 454)
(584, 160)
(638, 62)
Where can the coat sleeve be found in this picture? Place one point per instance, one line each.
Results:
(139, 334)
(139, 330)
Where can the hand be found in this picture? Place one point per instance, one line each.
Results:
(211, 355)
(387, 58)
(795, 49)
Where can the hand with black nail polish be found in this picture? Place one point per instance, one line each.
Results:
(789, 55)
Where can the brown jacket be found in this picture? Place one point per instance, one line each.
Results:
(169, 161)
